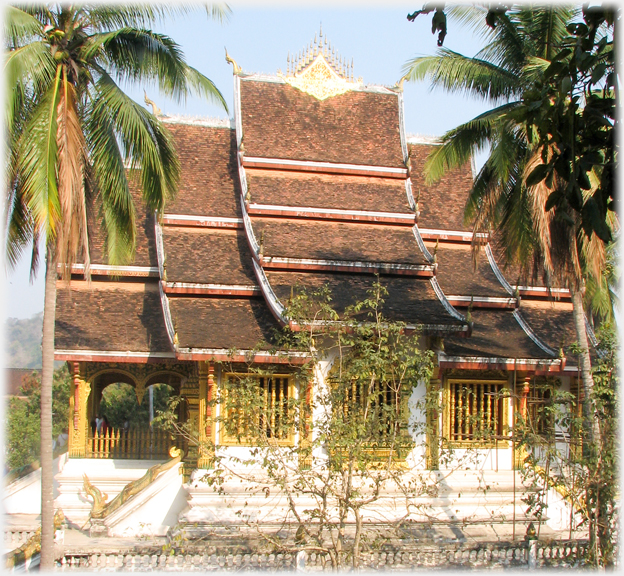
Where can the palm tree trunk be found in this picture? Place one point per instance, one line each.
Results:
(590, 429)
(47, 372)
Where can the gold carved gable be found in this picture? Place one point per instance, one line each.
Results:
(319, 80)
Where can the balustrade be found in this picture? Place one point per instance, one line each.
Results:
(135, 443)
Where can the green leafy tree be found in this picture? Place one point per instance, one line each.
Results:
(120, 405)
(23, 426)
(353, 433)
(547, 185)
(507, 195)
(71, 131)
(588, 481)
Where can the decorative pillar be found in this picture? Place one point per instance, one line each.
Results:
(206, 429)
(78, 420)
(190, 391)
(523, 413)
(432, 407)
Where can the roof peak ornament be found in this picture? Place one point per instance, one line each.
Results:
(236, 69)
(318, 71)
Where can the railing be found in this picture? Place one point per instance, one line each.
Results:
(135, 443)
(480, 555)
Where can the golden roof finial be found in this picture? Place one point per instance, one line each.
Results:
(236, 69)
(399, 84)
(319, 70)
(156, 111)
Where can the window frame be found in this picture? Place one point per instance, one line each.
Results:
(449, 413)
(227, 440)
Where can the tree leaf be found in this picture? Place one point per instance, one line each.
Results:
(537, 174)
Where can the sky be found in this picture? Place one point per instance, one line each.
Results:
(379, 40)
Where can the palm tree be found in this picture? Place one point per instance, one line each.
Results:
(521, 46)
(72, 132)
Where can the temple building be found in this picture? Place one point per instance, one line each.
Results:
(314, 182)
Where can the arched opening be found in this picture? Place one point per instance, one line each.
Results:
(120, 407)
(121, 413)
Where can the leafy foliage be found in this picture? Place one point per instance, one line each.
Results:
(568, 90)
(72, 131)
(587, 478)
(360, 438)
(23, 441)
(571, 110)
(120, 406)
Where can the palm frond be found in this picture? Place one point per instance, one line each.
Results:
(20, 27)
(106, 17)
(36, 162)
(29, 67)
(145, 142)
(19, 229)
(546, 27)
(459, 144)
(110, 184)
(508, 47)
(458, 74)
(143, 55)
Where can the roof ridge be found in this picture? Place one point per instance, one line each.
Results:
(209, 121)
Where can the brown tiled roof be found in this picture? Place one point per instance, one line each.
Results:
(323, 191)
(209, 183)
(529, 275)
(110, 316)
(337, 241)
(551, 321)
(357, 127)
(495, 334)
(222, 323)
(457, 276)
(409, 300)
(145, 254)
(441, 205)
(207, 256)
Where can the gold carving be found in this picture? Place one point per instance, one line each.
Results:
(79, 399)
(236, 69)
(174, 452)
(99, 499)
(32, 546)
(320, 80)
(140, 391)
(101, 509)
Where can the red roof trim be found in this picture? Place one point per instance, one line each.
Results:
(449, 235)
(336, 215)
(106, 270)
(483, 302)
(201, 221)
(115, 356)
(544, 292)
(324, 167)
(275, 263)
(210, 289)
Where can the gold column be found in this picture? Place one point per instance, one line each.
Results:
(432, 406)
(78, 420)
(190, 391)
(206, 431)
(523, 413)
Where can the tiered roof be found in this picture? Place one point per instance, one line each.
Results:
(316, 185)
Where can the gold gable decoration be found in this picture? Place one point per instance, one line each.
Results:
(319, 72)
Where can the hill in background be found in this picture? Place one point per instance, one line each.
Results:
(23, 342)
